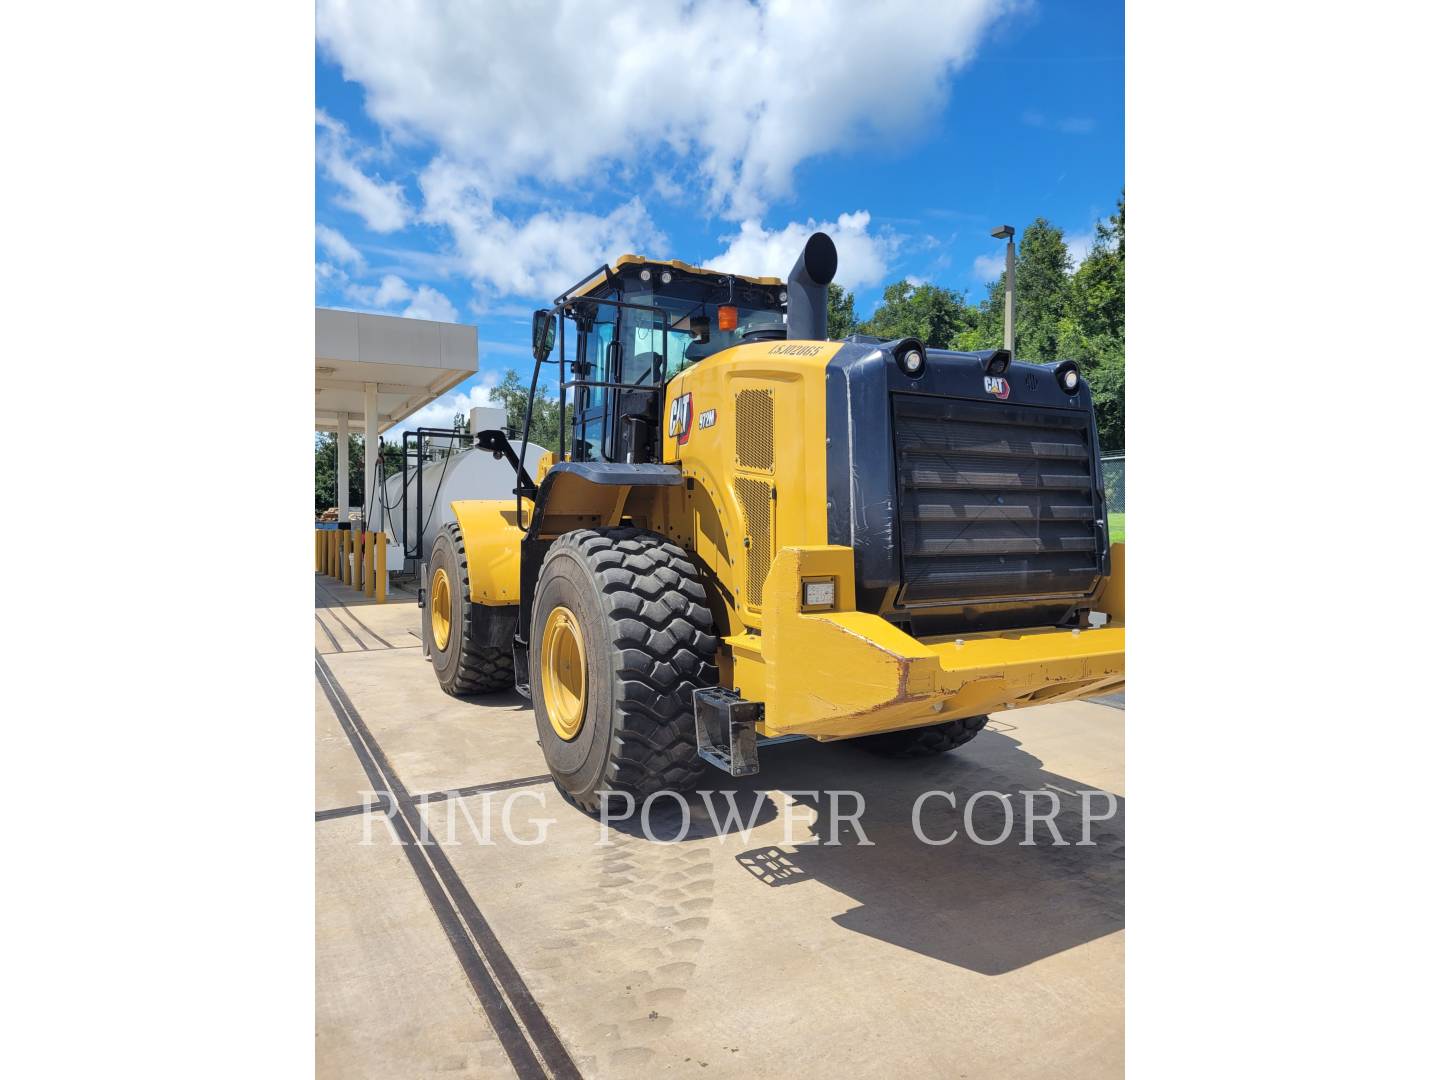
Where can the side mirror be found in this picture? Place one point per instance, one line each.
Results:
(542, 334)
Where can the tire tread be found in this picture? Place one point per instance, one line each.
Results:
(662, 649)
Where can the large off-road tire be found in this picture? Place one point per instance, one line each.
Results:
(462, 666)
(925, 741)
(620, 638)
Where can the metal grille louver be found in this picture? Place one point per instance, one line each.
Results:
(754, 496)
(755, 430)
(996, 500)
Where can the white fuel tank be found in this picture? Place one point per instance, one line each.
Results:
(424, 505)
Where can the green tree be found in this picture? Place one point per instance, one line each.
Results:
(840, 312)
(1095, 318)
(391, 462)
(1092, 331)
(1042, 292)
(935, 315)
(1078, 316)
(544, 424)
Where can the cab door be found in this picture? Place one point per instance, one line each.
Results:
(595, 357)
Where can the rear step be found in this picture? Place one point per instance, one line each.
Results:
(725, 730)
(520, 650)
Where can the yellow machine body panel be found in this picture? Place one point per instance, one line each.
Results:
(841, 673)
(492, 537)
(753, 459)
(1112, 597)
(747, 429)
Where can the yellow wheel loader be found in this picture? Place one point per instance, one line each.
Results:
(750, 532)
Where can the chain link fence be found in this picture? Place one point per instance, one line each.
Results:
(1112, 468)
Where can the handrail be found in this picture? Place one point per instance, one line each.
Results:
(565, 303)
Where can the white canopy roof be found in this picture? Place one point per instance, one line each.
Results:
(411, 361)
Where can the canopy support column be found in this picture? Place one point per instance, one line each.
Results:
(342, 465)
(372, 448)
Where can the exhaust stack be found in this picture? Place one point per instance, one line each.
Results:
(805, 318)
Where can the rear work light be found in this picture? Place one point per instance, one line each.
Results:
(910, 355)
(818, 593)
(1068, 376)
(999, 362)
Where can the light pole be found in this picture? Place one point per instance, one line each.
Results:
(1007, 233)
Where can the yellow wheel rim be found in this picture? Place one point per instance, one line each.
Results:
(440, 608)
(562, 672)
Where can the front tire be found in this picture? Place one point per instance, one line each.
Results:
(461, 666)
(620, 638)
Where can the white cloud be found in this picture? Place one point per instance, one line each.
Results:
(538, 256)
(427, 303)
(915, 281)
(989, 267)
(421, 302)
(739, 93)
(339, 249)
(863, 256)
(328, 275)
(380, 203)
(441, 411)
(1079, 245)
(392, 290)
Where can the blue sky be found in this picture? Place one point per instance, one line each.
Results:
(472, 160)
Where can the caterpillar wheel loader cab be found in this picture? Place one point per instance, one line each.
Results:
(749, 531)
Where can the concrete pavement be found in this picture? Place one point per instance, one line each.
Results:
(548, 952)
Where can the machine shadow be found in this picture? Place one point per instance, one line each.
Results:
(990, 909)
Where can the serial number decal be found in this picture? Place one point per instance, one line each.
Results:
(796, 350)
(707, 419)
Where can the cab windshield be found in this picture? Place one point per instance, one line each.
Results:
(638, 331)
(693, 335)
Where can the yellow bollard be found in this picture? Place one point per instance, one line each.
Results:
(335, 554)
(362, 572)
(381, 573)
(356, 543)
(329, 553)
(319, 562)
(345, 558)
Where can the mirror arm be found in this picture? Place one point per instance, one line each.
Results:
(525, 443)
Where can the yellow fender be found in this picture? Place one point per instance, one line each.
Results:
(491, 534)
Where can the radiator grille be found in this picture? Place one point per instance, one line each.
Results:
(995, 500)
(754, 496)
(755, 430)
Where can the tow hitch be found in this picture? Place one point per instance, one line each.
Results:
(725, 730)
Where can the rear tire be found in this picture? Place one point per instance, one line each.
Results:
(635, 603)
(461, 666)
(925, 741)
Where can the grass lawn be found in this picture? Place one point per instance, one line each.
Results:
(1117, 528)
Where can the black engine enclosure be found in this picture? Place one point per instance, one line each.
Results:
(919, 471)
